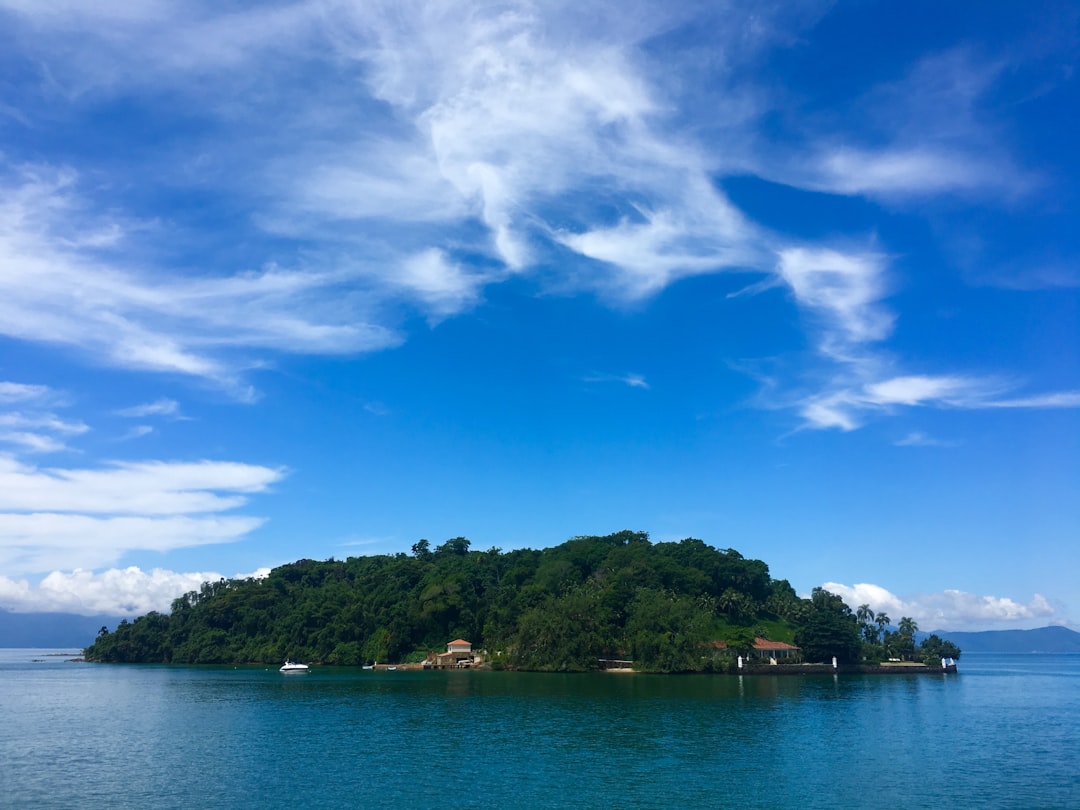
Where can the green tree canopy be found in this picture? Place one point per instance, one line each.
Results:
(560, 608)
(831, 630)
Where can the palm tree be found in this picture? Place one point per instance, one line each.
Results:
(866, 618)
(907, 628)
(882, 621)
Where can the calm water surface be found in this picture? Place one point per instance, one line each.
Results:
(1003, 733)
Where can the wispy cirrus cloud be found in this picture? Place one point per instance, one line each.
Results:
(160, 407)
(843, 291)
(446, 287)
(848, 405)
(42, 541)
(130, 317)
(409, 157)
(902, 171)
(137, 432)
(497, 81)
(925, 134)
(68, 516)
(38, 433)
(22, 392)
(630, 380)
(1060, 399)
(918, 438)
(147, 488)
(843, 295)
(88, 517)
(32, 428)
(584, 124)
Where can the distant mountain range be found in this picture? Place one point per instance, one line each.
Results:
(60, 630)
(1041, 640)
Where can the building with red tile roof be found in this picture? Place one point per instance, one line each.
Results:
(458, 655)
(764, 648)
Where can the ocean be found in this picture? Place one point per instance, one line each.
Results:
(1004, 732)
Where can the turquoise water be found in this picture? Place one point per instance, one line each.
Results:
(1003, 733)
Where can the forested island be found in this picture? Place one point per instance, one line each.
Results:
(669, 607)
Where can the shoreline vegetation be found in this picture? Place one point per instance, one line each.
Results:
(674, 607)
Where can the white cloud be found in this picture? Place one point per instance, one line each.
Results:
(142, 488)
(36, 431)
(116, 45)
(161, 407)
(114, 592)
(894, 171)
(371, 178)
(365, 541)
(43, 540)
(400, 145)
(45, 421)
(948, 610)
(64, 517)
(923, 135)
(32, 442)
(847, 405)
(21, 392)
(481, 117)
(843, 290)
(376, 408)
(149, 318)
(832, 411)
(444, 286)
(137, 432)
(1060, 399)
(917, 438)
(671, 243)
(926, 134)
(918, 389)
(580, 118)
(631, 380)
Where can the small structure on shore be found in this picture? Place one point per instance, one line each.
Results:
(773, 651)
(458, 655)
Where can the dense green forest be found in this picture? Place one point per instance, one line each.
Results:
(560, 609)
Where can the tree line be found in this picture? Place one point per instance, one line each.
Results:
(556, 609)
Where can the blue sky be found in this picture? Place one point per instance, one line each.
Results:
(314, 279)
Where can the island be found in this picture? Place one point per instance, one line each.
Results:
(670, 607)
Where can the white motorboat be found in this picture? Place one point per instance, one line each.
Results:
(292, 666)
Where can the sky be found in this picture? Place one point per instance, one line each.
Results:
(321, 278)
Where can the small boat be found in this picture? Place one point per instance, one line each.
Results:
(391, 669)
(369, 666)
(292, 666)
